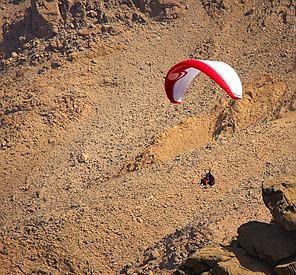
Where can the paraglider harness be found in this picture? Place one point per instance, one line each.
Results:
(208, 179)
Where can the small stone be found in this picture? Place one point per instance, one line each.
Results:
(51, 140)
(56, 44)
(12, 198)
(139, 220)
(293, 105)
(84, 32)
(93, 26)
(26, 46)
(22, 39)
(154, 254)
(94, 61)
(72, 56)
(24, 188)
(92, 13)
(22, 59)
(84, 158)
(56, 65)
(14, 55)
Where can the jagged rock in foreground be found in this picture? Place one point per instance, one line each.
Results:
(223, 260)
(288, 268)
(261, 248)
(269, 242)
(279, 195)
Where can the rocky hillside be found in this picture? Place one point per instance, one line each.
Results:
(62, 28)
(99, 172)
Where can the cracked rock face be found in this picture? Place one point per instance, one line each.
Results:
(279, 195)
(49, 15)
(46, 17)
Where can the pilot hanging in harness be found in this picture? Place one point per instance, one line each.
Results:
(208, 179)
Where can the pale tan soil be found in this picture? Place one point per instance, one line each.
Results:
(97, 166)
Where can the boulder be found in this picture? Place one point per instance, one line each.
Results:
(269, 242)
(45, 17)
(230, 260)
(279, 195)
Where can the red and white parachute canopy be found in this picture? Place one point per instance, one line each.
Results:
(180, 75)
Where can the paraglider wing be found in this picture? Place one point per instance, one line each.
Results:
(180, 76)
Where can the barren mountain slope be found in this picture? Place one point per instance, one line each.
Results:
(97, 166)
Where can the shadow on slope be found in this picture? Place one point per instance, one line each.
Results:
(169, 251)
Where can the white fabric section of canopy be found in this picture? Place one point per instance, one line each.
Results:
(228, 74)
(182, 84)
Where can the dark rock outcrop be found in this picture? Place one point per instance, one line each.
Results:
(279, 195)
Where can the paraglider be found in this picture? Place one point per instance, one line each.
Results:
(180, 76)
(208, 179)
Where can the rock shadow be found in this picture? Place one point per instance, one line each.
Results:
(16, 34)
(247, 261)
(166, 254)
